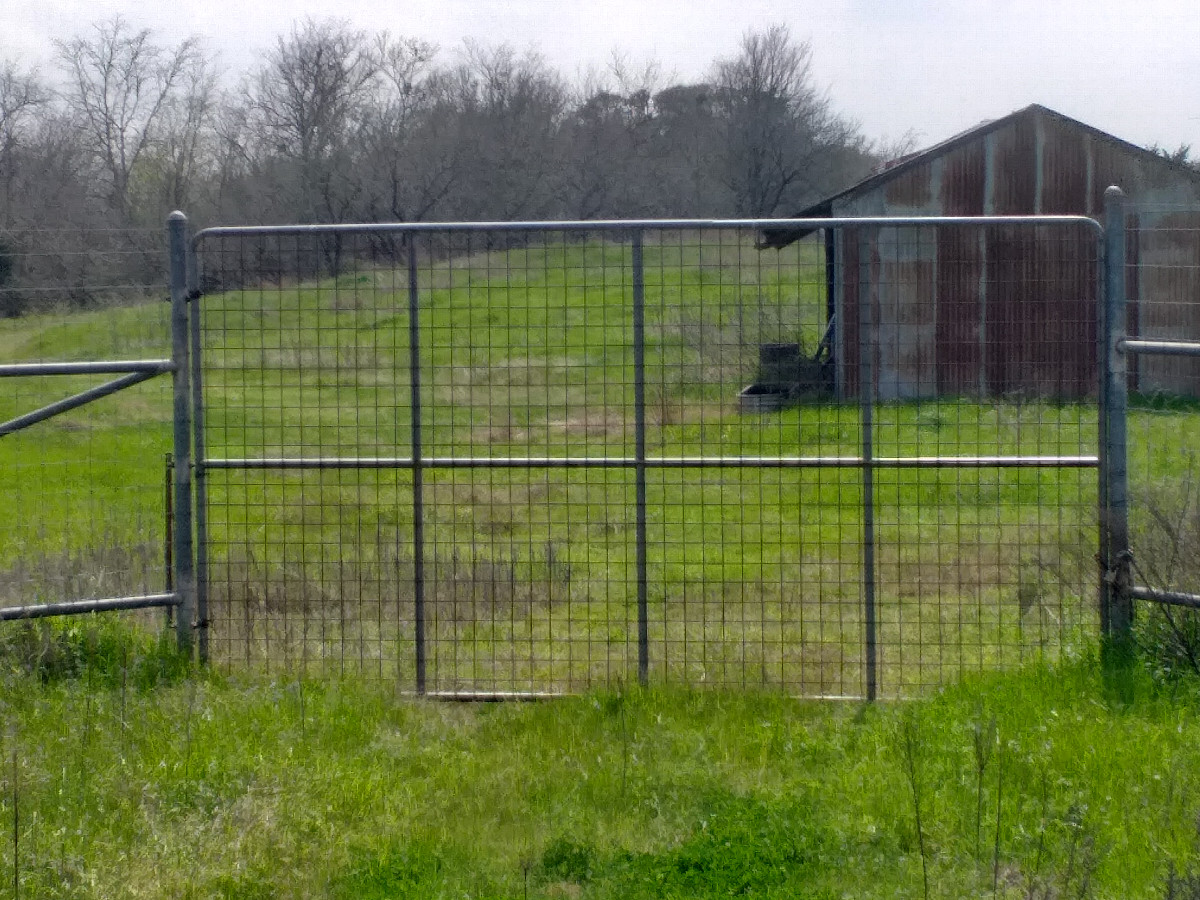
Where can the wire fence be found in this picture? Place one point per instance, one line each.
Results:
(83, 493)
(541, 457)
(1163, 288)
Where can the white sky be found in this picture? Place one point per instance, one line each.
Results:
(932, 67)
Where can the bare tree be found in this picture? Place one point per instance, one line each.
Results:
(120, 85)
(507, 109)
(404, 64)
(307, 103)
(779, 128)
(411, 161)
(188, 144)
(688, 137)
(233, 156)
(22, 98)
(338, 124)
(607, 167)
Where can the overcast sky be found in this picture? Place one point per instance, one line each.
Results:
(930, 67)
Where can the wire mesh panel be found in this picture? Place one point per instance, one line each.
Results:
(528, 339)
(309, 567)
(1162, 287)
(755, 569)
(543, 457)
(978, 341)
(83, 492)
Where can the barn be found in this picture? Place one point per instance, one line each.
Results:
(1002, 310)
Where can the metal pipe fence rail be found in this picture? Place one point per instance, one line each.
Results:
(502, 459)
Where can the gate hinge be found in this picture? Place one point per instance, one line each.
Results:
(1111, 573)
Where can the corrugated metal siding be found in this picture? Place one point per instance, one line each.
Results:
(1010, 310)
(1169, 275)
(1014, 175)
(905, 312)
(1010, 326)
(970, 311)
(964, 181)
(1078, 308)
(1041, 312)
(959, 302)
(1110, 165)
(1133, 295)
(847, 361)
(912, 189)
(1064, 169)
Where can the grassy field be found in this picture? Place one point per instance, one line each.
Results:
(300, 766)
(125, 777)
(754, 575)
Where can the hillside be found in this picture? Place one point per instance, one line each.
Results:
(753, 573)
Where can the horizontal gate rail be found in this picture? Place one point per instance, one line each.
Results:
(1167, 598)
(114, 367)
(82, 607)
(661, 462)
(628, 225)
(133, 372)
(1160, 348)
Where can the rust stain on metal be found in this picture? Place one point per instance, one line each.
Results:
(978, 311)
(1014, 175)
(967, 310)
(912, 188)
(1064, 169)
(907, 349)
(959, 297)
(964, 181)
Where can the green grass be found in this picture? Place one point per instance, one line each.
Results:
(753, 574)
(123, 773)
(132, 779)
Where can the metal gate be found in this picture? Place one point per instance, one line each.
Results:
(60, 573)
(1152, 525)
(522, 458)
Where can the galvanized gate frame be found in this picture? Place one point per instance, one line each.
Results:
(1110, 461)
(180, 595)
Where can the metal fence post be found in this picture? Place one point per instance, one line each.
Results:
(639, 411)
(185, 581)
(866, 399)
(418, 492)
(1116, 603)
(169, 536)
(198, 453)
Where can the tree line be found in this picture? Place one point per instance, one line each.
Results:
(338, 124)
